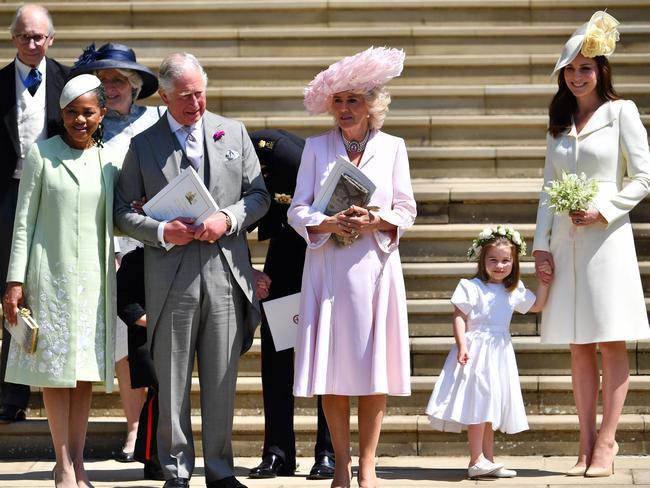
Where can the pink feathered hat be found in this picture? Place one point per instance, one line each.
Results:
(363, 71)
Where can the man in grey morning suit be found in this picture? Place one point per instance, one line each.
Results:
(200, 297)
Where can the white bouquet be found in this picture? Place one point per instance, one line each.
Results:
(573, 193)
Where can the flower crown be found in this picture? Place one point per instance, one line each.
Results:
(490, 234)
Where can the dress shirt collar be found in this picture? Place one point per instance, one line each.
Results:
(24, 69)
(175, 126)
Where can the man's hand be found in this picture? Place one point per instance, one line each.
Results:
(262, 284)
(13, 299)
(179, 231)
(212, 228)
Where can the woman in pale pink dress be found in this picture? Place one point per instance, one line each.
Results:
(353, 335)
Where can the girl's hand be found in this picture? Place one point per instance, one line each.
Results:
(545, 267)
(587, 217)
(463, 355)
(544, 261)
(13, 299)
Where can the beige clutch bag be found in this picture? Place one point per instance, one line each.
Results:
(25, 332)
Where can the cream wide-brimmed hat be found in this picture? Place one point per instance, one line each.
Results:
(76, 87)
(362, 71)
(597, 37)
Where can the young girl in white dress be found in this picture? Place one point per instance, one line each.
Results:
(478, 388)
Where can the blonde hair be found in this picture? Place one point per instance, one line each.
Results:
(377, 101)
(134, 79)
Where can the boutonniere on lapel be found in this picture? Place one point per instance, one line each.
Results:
(218, 135)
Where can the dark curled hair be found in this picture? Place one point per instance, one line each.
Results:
(98, 135)
(564, 104)
(510, 282)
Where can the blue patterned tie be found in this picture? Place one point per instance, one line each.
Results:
(33, 81)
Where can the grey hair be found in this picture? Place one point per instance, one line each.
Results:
(135, 80)
(377, 100)
(29, 6)
(173, 67)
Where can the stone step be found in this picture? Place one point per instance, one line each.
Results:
(410, 100)
(428, 353)
(543, 395)
(519, 69)
(401, 435)
(438, 280)
(468, 131)
(324, 13)
(476, 161)
(433, 243)
(533, 358)
(441, 69)
(467, 200)
(335, 41)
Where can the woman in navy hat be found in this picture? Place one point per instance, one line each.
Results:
(124, 81)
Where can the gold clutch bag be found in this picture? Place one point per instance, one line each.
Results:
(25, 332)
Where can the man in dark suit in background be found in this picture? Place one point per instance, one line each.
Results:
(279, 153)
(29, 108)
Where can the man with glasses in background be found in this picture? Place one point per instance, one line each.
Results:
(29, 109)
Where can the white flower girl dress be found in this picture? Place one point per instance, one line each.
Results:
(487, 388)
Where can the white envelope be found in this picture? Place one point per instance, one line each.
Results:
(282, 315)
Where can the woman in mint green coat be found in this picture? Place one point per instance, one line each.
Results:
(62, 269)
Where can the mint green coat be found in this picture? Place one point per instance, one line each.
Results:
(46, 251)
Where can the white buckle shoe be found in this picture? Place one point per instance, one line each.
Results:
(483, 468)
(504, 473)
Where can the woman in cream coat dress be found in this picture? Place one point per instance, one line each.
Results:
(596, 299)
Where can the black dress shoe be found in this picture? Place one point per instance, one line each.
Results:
(124, 457)
(270, 467)
(323, 468)
(229, 482)
(153, 471)
(177, 483)
(11, 413)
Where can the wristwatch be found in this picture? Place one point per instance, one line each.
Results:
(228, 222)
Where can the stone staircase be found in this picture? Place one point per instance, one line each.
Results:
(471, 105)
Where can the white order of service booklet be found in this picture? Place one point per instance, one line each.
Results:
(283, 315)
(184, 196)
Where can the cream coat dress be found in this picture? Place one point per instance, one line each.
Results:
(596, 295)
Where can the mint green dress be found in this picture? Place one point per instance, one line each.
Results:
(62, 253)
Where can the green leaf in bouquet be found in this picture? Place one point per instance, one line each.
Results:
(572, 193)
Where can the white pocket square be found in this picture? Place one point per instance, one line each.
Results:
(230, 155)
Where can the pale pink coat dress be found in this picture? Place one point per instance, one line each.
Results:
(353, 334)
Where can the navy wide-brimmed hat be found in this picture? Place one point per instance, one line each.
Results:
(111, 56)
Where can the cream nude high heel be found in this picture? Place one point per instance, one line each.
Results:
(603, 472)
(577, 471)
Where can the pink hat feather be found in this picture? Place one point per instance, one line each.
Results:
(362, 71)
